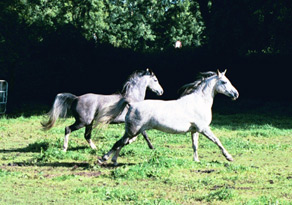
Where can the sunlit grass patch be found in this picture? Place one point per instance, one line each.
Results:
(32, 161)
(266, 200)
(222, 194)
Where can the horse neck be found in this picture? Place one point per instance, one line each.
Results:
(208, 90)
(205, 94)
(136, 91)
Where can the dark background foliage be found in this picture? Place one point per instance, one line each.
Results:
(47, 47)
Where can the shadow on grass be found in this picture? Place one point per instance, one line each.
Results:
(35, 147)
(78, 148)
(112, 166)
(73, 165)
(244, 113)
(51, 164)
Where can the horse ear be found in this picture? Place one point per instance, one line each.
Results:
(149, 71)
(219, 74)
(224, 72)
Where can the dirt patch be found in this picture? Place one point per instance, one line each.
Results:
(220, 186)
(207, 171)
(88, 174)
(244, 188)
(83, 174)
(110, 165)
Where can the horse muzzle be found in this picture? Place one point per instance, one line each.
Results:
(159, 93)
(234, 95)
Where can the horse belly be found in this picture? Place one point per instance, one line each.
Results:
(172, 125)
(159, 115)
(172, 130)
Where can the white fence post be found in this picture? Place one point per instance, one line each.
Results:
(3, 95)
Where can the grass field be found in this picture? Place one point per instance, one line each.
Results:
(34, 170)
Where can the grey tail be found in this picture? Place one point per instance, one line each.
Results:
(62, 103)
(107, 114)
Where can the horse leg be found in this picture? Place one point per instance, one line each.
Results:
(87, 136)
(68, 130)
(145, 137)
(147, 140)
(118, 145)
(195, 143)
(117, 152)
(132, 140)
(209, 134)
(115, 157)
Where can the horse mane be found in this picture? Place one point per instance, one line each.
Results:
(191, 87)
(132, 79)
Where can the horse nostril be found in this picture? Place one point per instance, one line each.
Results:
(160, 92)
(235, 95)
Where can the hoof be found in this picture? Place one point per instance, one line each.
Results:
(64, 150)
(115, 163)
(92, 146)
(100, 161)
(230, 159)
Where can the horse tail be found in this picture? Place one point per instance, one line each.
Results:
(107, 114)
(62, 103)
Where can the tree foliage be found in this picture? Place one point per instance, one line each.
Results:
(135, 24)
(243, 27)
(248, 26)
(44, 41)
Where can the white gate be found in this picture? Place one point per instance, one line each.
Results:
(3, 96)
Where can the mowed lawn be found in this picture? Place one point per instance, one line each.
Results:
(34, 170)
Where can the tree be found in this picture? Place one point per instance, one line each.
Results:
(135, 24)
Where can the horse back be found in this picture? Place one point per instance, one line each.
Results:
(86, 107)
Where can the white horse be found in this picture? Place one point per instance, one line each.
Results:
(192, 112)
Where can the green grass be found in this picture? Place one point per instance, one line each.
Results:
(34, 170)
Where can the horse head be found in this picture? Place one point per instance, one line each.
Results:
(153, 83)
(225, 87)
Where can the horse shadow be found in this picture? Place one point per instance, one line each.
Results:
(38, 147)
(73, 165)
(35, 147)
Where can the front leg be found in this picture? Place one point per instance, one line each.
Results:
(209, 134)
(195, 143)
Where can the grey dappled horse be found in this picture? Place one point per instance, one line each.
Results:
(192, 112)
(85, 108)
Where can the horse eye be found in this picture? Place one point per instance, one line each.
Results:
(223, 82)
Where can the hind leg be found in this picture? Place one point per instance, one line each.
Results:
(87, 136)
(125, 142)
(116, 149)
(147, 140)
(68, 130)
(145, 137)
